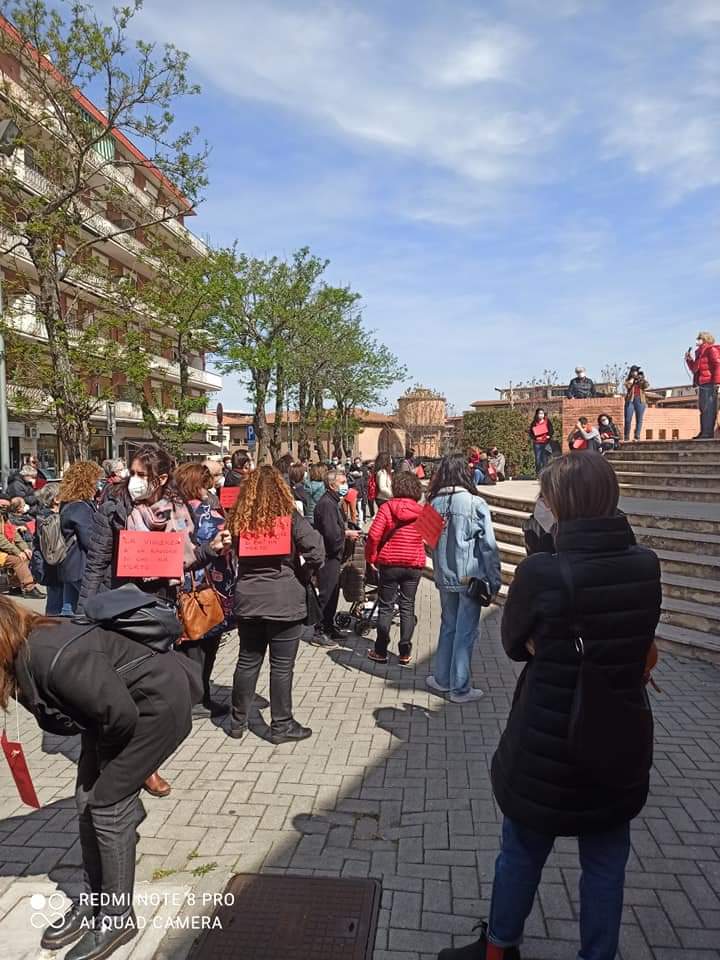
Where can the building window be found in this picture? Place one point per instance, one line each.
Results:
(676, 434)
(662, 434)
(648, 434)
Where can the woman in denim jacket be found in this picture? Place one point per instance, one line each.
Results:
(466, 550)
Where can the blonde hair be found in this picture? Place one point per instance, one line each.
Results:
(707, 337)
(79, 481)
(263, 497)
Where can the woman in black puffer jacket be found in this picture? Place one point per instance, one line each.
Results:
(599, 595)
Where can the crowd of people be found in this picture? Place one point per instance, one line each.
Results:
(557, 771)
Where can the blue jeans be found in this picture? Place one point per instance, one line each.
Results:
(603, 857)
(71, 595)
(540, 455)
(637, 407)
(54, 601)
(459, 628)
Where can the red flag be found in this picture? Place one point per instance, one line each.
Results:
(15, 756)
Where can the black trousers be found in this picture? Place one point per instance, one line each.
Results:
(108, 838)
(256, 635)
(393, 581)
(329, 589)
(708, 406)
(204, 652)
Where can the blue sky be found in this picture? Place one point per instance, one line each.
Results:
(512, 186)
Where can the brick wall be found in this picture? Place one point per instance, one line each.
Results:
(572, 410)
(660, 423)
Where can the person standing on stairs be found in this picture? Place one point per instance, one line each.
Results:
(705, 368)
(635, 401)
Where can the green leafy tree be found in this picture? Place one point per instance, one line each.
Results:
(507, 429)
(182, 303)
(66, 190)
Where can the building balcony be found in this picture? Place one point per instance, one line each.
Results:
(204, 379)
(24, 320)
(131, 413)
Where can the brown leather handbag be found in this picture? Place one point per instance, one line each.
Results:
(200, 610)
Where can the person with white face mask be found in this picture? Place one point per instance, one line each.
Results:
(146, 501)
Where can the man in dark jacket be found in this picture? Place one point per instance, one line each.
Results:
(134, 708)
(20, 485)
(581, 386)
(330, 524)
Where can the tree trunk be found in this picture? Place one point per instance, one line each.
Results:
(319, 442)
(276, 436)
(72, 420)
(303, 409)
(260, 380)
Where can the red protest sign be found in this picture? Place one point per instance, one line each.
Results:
(151, 555)
(228, 497)
(273, 544)
(429, 525)
(15, 756)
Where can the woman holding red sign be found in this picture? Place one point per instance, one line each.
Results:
(540, 432)
(146, 502)
(278, 551)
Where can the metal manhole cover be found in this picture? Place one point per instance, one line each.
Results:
(269, 917)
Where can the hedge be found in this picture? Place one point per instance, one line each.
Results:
(508, 431)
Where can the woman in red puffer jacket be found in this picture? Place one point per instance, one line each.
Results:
(705, 368)
(396, 548)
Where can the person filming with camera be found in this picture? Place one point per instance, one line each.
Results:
(636, 385)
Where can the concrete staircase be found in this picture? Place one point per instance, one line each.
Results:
(683, 530)
(669, 470)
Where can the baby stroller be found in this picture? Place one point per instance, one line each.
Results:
(358, 582)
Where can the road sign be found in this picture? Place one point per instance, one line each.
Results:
(219, 412)
(250, 434)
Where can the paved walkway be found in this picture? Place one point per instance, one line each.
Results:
(393, 785)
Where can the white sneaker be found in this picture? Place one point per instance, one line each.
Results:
(433, 685)
(472, 694)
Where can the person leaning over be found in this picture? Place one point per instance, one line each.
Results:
(330, 524)
(271, 601)
(574, 759)
(705, 368)
(133, 708)
(396, 548)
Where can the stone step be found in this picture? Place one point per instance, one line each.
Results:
(709, 468)
(669, 445)
(511, 553)
(638, 451)
(678, 587)
(665, 523)
(508, 535)
(688, 643)
(496, 499)
(703, 617)
(704, 481)
(684, 541)
(509, 518)
(643, 491)
(690, 564)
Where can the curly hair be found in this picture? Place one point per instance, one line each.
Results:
(80, 481)
(263, 498)
(406, 484)
(190, 478)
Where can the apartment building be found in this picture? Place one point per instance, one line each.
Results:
(117, 426)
